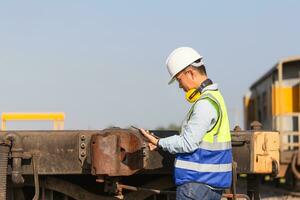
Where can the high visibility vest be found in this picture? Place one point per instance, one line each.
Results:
(211, 163)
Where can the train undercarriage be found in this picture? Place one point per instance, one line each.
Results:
(114, 164)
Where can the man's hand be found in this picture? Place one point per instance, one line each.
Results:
(152, 147)
(152, 140)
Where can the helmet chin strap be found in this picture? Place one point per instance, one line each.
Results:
(194, 94)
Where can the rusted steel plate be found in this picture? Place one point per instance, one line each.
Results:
(56, 151)
(117, 152)
(60, 152)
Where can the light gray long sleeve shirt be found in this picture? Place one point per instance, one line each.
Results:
(194, 127)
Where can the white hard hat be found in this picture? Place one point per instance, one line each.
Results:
(180, 58)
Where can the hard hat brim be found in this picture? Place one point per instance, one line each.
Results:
(171, 81)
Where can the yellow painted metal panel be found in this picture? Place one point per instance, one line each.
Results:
(288, 99)
(3, 125)
(32, 116)
(249, 111)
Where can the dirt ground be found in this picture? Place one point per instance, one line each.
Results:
(268, 191)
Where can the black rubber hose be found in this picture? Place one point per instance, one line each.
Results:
(4, 149)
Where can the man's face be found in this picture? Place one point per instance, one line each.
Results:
(185, 79)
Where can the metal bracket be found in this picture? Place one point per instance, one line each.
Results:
(82, 150)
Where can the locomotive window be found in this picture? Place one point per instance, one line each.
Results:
(291, 69)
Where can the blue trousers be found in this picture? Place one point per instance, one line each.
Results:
(197, 191)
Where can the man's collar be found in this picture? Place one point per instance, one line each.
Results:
(213, 86)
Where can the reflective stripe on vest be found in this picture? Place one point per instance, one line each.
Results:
(211, 163)
(215, 146)
(203, 167)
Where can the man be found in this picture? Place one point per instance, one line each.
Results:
(203, 148)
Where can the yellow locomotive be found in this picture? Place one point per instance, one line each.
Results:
(274, 100)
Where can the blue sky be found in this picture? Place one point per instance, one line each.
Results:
(103, 62)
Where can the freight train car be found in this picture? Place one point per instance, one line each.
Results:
(274, 100)
(112, 164)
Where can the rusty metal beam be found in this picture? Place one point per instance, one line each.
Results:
(117, 153)
(110, 152)
(71, 190)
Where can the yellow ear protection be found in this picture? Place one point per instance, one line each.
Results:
(194, 94)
